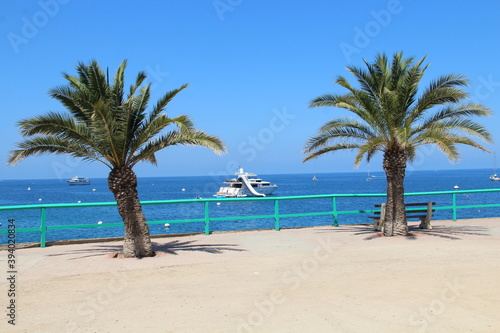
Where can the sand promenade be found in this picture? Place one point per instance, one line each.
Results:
(321, 279)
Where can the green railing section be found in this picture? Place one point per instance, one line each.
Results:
(206, 219)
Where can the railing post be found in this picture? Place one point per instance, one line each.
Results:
(276, 215)
(43, 227)
(207, 220)
(454, 205)
(335, 214)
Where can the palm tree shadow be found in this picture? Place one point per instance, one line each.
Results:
(176, 246)
(356, 229)
(451, 232)
(173, 247)
(94, 251)
(448, 232)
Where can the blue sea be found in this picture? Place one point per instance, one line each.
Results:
(47, 191)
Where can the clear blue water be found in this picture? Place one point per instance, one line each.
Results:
(15, 192)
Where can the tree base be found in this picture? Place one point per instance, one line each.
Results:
(121, 255)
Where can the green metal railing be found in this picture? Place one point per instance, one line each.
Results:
(207, 219)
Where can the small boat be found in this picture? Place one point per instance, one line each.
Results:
(78, 181)
(245, 185)
(315, 179)
(369, 178)
(494, 176)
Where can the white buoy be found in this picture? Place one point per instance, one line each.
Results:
(40, 199)
(29, 188)
(183, 189)
(93, 190)
(78, 201)
(167, 225)
(456, 187)
(218, 204)
(100, 222)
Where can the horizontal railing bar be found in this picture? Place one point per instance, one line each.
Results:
(63, 205)
(175, 221)
(74, 226)
(306, 214)
(229, 218)
(468, 206)
(353, 211)
(479, 206)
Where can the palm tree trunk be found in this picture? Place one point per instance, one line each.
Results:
(395, 219)
(136, 242)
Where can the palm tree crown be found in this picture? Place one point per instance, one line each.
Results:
(391, 115)
(106, 125)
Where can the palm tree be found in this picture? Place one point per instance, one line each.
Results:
(107, 126)
(392, 117)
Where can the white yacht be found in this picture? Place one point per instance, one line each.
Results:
(245, 185)
(78, 181)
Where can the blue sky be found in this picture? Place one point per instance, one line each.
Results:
(253, 67)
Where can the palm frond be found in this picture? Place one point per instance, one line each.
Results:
(349, 130)
(174, 138)
(331, 149)
(52, 145)
(368, 149)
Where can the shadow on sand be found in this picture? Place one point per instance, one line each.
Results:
(176, 246)
(448, 232)
(172, 247)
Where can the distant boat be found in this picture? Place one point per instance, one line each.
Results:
(78, 181)
(369, 178)
(494, 177)
(315, 179)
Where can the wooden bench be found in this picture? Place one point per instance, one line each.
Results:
(424, 214)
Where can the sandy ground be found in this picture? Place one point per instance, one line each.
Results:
(322, 279)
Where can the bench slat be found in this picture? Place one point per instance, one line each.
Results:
(412, 211)
(411, 204)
